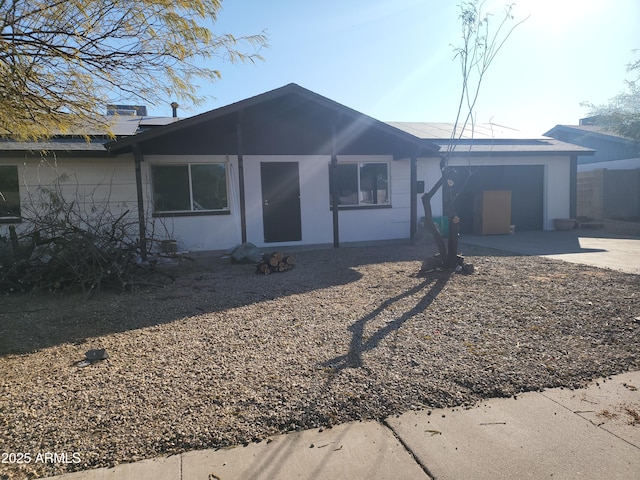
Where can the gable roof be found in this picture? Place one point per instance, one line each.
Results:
(349, 122)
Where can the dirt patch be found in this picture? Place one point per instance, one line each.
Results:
(223, 356)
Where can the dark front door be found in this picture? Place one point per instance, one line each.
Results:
(281, 201)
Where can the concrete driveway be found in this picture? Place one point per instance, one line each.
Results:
(596, 248)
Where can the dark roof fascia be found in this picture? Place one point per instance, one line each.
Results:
(599, 135)
(126, 144)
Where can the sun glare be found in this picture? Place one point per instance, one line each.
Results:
(556, 14)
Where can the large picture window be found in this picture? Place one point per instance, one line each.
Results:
(9, 193)
(190, 188)
(362, 184)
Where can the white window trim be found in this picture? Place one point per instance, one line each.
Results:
(368, 205)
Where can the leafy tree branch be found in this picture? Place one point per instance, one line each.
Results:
(74, 56)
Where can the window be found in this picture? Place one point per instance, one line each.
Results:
(190, 188)
(9, 193)
(362, 184)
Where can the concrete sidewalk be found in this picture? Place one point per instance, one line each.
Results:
(592, 433)
(596, 248)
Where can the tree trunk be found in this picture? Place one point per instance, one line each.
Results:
(454, 230)
(428, 216)
(448, 254)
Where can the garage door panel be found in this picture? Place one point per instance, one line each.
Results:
(526, 183)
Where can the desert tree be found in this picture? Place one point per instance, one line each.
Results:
(483, 37)
(61, 61)
(621, 114)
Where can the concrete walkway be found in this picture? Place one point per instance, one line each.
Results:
(589, 247)
(592, 433)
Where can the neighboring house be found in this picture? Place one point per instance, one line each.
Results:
(608, 146)
(271, 168)
(608, 185)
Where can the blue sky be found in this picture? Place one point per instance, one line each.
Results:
(393, 59)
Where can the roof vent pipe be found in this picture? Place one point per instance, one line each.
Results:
(174, 107)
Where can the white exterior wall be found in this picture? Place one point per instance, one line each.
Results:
(317, 217)
(196, 232)
(93, 184)
(556, 188)
(357, 225)
(428, 170)
(223, 232)
(557, 195)
(315, 214)
(111, 183)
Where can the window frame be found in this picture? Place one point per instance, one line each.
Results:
(359, 205)
(8, 219)
(192, 211)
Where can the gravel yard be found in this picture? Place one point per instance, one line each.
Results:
(223, 356)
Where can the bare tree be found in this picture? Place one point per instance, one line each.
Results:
(482, 40)
(65, 57)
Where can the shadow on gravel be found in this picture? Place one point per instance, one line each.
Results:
(353, 358)
(204, 283)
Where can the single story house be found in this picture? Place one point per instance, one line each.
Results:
(287, 167)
